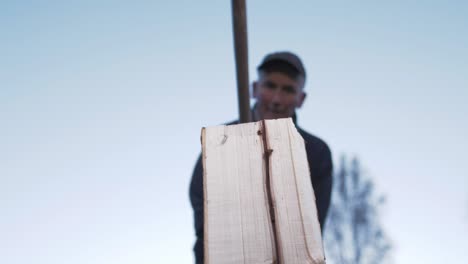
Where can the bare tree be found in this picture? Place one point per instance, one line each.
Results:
(353, 233)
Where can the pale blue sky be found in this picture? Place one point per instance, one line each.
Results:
(102, 102)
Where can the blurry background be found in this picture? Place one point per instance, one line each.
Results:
(102, 102)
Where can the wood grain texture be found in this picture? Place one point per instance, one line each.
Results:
(238, 226)
(297, 223)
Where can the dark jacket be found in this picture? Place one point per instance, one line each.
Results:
(320, 164)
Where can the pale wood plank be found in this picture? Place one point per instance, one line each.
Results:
(237, 226)
(297, 223)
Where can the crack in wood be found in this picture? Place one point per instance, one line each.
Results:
(266, 157)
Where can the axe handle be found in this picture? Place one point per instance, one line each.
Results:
(239, 22)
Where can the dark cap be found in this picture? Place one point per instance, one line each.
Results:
(284, 56)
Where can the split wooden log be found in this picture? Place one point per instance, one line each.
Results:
(259, 201)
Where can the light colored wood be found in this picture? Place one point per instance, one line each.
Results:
(238, 227)
(297, 225)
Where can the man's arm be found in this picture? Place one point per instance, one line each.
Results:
(322, 181)
(196, 199)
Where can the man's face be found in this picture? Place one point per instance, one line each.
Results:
(277, 95)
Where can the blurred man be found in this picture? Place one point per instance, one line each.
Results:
(278, 91)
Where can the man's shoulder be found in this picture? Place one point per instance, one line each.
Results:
(312, 142)
(234, 122)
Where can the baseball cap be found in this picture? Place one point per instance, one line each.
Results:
(284, 56)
